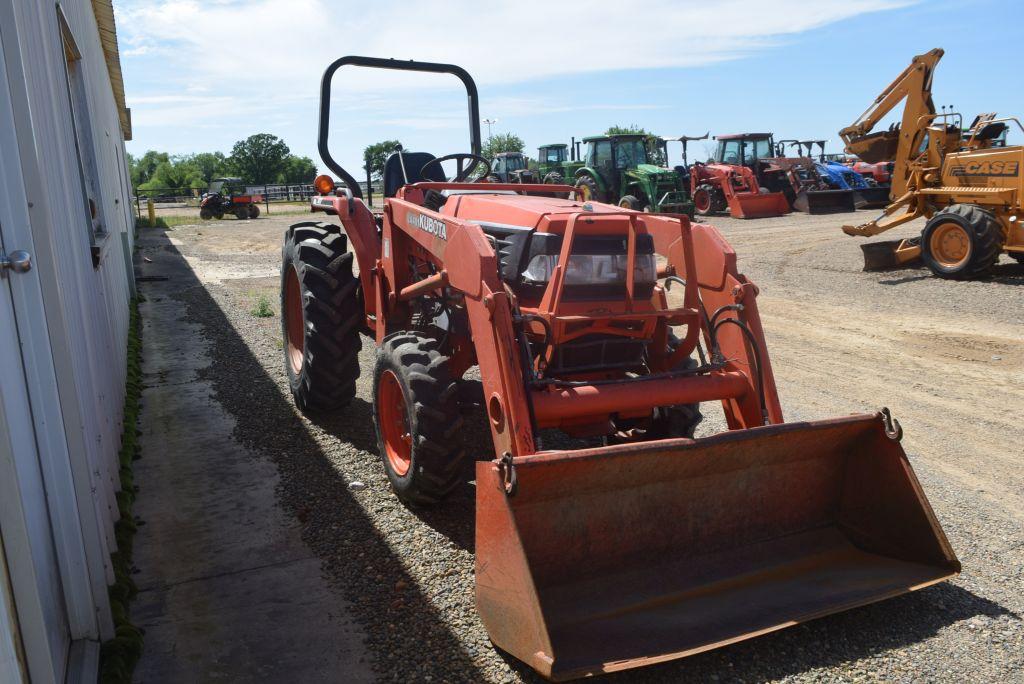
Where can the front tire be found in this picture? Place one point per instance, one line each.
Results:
(321, 315)
(553, 178)
(417, 418)
(587, 187)
(629, 202)
(703, 200)
(205, 214)
(241, 213)
(254, 211)
(961, 242)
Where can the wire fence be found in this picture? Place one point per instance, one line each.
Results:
(189, 198)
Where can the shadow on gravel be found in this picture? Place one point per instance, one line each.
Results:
(1003, 273)
(408, 639)
(407, 636)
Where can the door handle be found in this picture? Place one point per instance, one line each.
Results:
(18, 261)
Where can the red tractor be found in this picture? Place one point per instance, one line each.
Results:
(591, 559)
(227, 196)
(738, 180)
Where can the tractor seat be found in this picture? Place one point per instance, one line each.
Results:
(991, 131)
(414, 161)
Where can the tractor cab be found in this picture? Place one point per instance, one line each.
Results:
(744, 149)
(511, 167)
(553, 154)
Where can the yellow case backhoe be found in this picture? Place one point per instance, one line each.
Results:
(967, 187)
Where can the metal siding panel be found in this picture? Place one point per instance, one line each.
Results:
(94, 301)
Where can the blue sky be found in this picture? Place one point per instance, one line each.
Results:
(201, 75)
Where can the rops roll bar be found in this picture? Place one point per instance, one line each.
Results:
(397, 65)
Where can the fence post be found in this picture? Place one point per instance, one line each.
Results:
(369, 189)
(151, 208)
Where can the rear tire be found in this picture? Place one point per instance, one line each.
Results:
(417, 418)
(219, 215)
(1017, 256)
(554, 178)
(254, 211)
(321, 315)
(961, 242)
(241, 213)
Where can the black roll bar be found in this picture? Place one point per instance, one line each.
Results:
(397, 65)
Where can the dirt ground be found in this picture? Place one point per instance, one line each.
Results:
(946, 357)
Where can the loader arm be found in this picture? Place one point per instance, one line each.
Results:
(915, 86)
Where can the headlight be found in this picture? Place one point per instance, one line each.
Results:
(592, 269)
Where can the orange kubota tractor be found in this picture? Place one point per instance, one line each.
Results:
(738, 181)
(593, 559)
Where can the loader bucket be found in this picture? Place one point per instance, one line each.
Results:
(871, 198)
(610, 558)
(746, 205)
(824, 201)
(885, 254)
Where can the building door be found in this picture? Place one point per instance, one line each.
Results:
(31, 550)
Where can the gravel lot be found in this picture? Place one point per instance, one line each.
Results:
(946, 357)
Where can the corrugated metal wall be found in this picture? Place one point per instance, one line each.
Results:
(86, 283)
(95, 300)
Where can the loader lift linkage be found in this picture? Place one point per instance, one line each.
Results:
(656, 545)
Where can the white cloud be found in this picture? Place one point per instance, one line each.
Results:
(283, 46)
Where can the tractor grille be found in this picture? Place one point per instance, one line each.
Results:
(597, 352)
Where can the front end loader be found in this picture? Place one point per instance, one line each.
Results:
(616, 326)
(965, 181)
(865, 192)
(738, 181)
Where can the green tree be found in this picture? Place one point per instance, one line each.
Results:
(502, 142)
(141, 170)
(376, 154)
(210, 164)
(175, 175)
(259, 158)
(297, 170)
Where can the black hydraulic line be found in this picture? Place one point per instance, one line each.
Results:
(758, 361)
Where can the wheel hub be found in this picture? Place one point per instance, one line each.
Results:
(950, 244)
(394, 423)
(294, 332)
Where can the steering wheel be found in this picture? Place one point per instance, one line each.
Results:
(462, 174)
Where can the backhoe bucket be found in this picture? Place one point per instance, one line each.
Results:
(886, 254)
(610, 558)
(747, 205)
(871, 198)
(824, 201)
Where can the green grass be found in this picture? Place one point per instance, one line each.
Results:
(119, 655)
(262, 308)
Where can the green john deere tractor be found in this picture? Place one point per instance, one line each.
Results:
(618, 169)
(553, 164)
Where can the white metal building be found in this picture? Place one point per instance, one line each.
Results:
(65, 286)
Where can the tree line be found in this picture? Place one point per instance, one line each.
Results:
(259, 159)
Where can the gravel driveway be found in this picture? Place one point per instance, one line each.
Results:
(946, 357)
